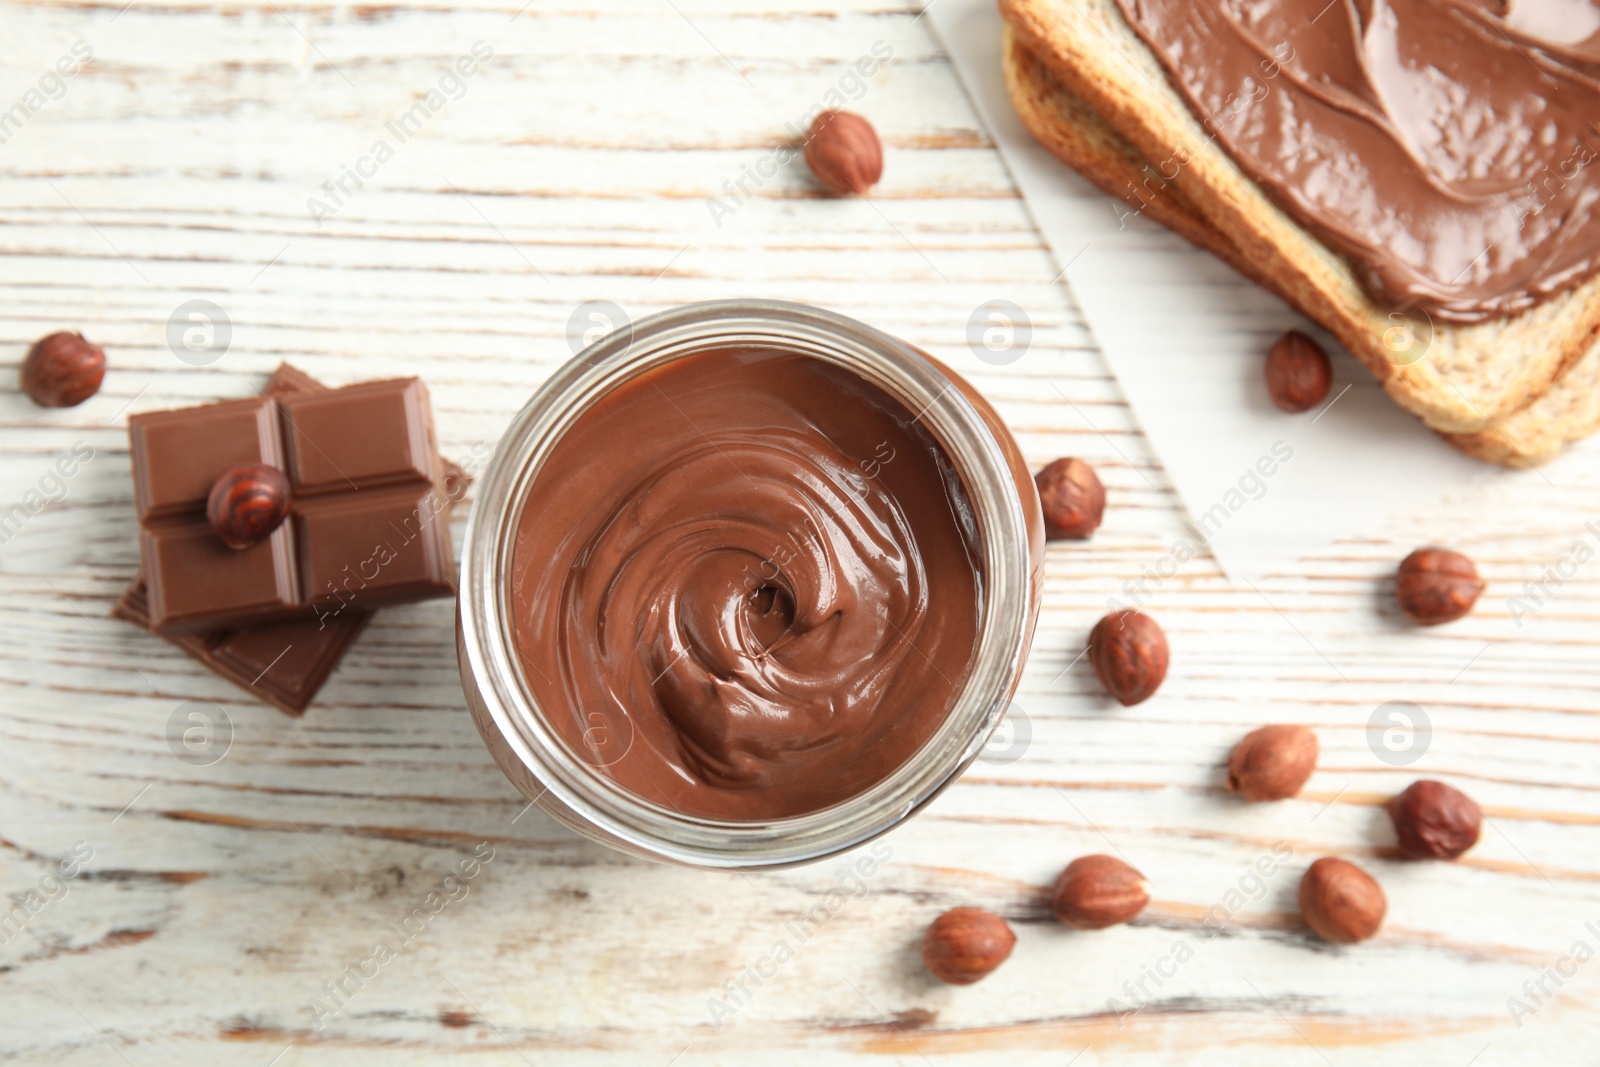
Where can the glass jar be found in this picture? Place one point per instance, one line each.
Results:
(1010, 544)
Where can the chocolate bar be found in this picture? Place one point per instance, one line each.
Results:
(366, 527)
(283, 663)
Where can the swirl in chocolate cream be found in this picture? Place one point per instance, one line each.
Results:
(1445, 147)
(746, 585)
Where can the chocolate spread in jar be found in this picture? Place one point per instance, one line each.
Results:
(746, 585)
(1446, 147)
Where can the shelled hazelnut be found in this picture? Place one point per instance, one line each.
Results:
(63, 370)
(1341, 902)
(1437, 585)
(1272, 763)
(1099, 891)
(966, 944)
(1072, 498)
(1129, 654)
(1434, 821)
(1298, 373)
(247, 503)
(843, 152)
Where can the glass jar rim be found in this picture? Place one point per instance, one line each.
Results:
(589, 801)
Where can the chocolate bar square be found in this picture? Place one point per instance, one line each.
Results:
(366, 526)
(395, 445)
(183, 451)
(193, 576)
(402, 528)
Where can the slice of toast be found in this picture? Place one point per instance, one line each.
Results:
(1075, 134)
(1459, 379)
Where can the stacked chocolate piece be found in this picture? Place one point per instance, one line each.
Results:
(272, 528)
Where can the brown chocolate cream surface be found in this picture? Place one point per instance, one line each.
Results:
(1446, 147)
(746, 585)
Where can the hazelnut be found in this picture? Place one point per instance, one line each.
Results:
(1272, 763)
(1298, 373)
(1129, 654)
(1072, 498)
(63, 370)
(247, 503)
(1434, 821)
(842, 150)
(964, 944)
(1099, 891)
(1437, 585)
(1341, 902)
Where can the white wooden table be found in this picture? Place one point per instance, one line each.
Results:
(212, 903)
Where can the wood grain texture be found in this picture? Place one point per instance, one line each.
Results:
(219, 900)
